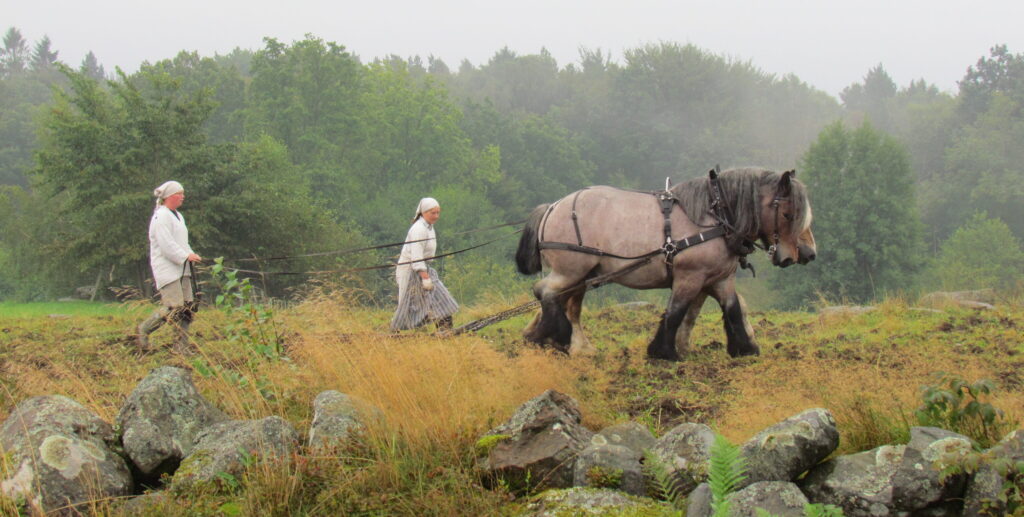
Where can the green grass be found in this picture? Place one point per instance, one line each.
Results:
(70, 308)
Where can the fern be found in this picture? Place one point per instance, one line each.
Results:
(728, 470)
(662, 485)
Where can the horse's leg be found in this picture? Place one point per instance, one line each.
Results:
(738, 332)
(683, 334)
(685, 290)
(578, 344)
(553, 323)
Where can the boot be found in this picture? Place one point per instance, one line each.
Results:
(182, 344)
(150, 324)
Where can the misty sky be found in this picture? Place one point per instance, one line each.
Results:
(826, 43)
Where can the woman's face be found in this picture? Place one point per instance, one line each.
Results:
(432, 215)
(175, 200)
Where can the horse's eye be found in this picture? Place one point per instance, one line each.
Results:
(789, 217)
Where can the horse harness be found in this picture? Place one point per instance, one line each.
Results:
(720, 211)
(669, 249)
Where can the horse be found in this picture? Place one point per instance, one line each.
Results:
(691, 238)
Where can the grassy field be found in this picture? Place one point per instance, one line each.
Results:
(439, 395)
(65, 309)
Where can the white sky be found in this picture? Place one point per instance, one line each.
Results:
(826, 43)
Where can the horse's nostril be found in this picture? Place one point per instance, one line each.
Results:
(786, 262)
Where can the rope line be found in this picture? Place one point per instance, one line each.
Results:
(367, 268)
(367, 248)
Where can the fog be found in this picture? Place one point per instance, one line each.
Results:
(827, 44)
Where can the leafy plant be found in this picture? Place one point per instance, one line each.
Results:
(252, 322)
(957, 405)
(662, 484)
(728, 470)
(600, 477)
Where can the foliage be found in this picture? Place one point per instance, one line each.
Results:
(867, 231)
(604, 477)
(728, 470)
(982, 253)
(958, 406)
(252, 320)
(663, 485)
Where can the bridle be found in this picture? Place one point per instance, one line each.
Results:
(721, 211)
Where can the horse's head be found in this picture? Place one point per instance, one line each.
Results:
(786, 221)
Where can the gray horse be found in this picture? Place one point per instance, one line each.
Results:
(603, 230)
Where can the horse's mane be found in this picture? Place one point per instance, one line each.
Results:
(741, 190)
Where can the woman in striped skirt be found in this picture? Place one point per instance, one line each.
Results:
(421, 295)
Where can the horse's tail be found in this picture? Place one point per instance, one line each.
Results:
(528, 253)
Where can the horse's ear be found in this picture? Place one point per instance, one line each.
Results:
(786, 183)
(713, 173)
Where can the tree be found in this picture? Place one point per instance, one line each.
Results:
(91, 67)
(865, 223)
(982, 253)
(873, 98)
(1002, 73)
(43, 57)
(104, 150)
(14, 55)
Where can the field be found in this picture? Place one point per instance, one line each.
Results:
(439, 395)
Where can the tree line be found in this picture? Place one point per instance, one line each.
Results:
(301, 147)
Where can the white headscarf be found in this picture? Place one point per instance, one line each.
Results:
(167, 190)
(426, 204)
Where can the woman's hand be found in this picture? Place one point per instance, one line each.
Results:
(192, 257)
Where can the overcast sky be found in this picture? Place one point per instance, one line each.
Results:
(826, 43)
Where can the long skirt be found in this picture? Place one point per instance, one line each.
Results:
(417, 306)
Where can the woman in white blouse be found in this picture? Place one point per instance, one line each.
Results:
(421, 295)
(171, 259)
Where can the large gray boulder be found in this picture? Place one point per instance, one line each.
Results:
(860, 484)
(61, 455)
(779, 498)
(787, 449)
(631, 435)
(610, 466)
(592, 502)
(161, 419)
(228, 447)
(982, 495)
(537, 447)
(918, 484)
(685, 453)
(337, 417)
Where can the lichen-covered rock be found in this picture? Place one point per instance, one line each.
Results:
(543, 438)
(779, 498)
(610, 466)
(917, 484)
(61, 455)
(227, 447)
(336, 418)
(982, 495)
(860, 484)
(631, 435)
(787, 449)
(596, 502)
(685, 453)
(698, 503)
(161, 419)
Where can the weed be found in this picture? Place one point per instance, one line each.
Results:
(728, 470)
(251, 323)
(956, 405)
(601, 477)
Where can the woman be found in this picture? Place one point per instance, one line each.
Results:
(171, 259)
(421, 295)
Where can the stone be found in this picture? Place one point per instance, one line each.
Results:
(685, 453)
(537, 447)
(860, 484)
(610, 466)
(787, 449)
(61, 455)
(917, 483)
(161, 419)
(337, 417)
(227, 448)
